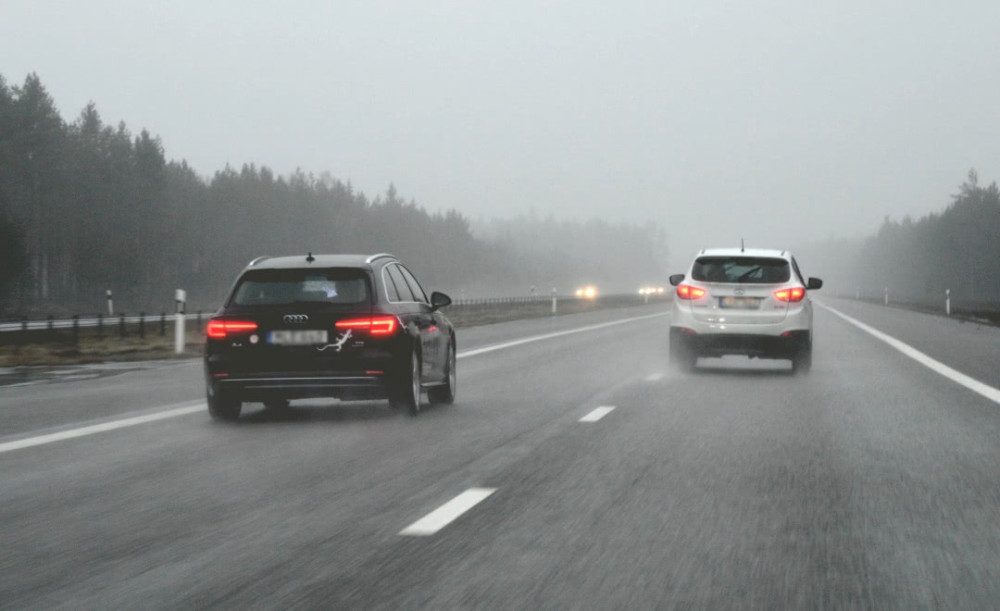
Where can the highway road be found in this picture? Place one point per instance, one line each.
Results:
(574, 471)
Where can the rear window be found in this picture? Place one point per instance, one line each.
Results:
(297, 286)
(746, 270)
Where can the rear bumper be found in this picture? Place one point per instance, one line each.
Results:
(245, 375)
(785, 345)
(291, 385)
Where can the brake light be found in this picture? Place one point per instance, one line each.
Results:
(381, 325)
(794, 294)
(221, 329)
(686, 291)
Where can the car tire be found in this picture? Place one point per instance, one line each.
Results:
(802, 360)
(690, 365)
(682, 357)
(445, 393)
(224, 407)
(406, 396)
(276, 405)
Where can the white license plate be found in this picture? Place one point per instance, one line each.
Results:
(298, 337)
(739, 303)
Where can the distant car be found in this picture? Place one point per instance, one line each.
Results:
(346, 326)
(587, 292)
(751, 302)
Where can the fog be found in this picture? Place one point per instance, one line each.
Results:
(599, 453)
(771, 121)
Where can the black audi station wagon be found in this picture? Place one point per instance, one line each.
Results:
(352, 327)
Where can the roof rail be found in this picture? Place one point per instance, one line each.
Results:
(258, 260)
(379, 256)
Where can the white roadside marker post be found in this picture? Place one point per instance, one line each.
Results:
(180, 296)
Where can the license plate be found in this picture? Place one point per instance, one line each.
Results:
(739, 303)
(298, 337)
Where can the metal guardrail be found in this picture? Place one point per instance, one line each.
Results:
(94, 321)
(120, 319)
(966, 309)
(502, 300)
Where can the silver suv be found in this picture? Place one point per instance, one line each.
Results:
(751, 302)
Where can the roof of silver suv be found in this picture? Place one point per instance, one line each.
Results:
(745, 252)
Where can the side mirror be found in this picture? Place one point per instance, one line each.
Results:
(814, 283)
(676, 279)
(439, 300)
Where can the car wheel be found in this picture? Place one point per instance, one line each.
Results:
(222, 406)
(691, 364)
(407, 394)
(682, 357)
(276, 405)
(802, 361)
(446, 392)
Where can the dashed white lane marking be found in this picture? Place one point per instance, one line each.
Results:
(98, 428)
(447, 513)
(598, 413)
(654, 377)
(538, 338)
(78, 376)
(958, 377)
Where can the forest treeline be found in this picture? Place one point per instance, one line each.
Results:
(957, 249)
(86, 207)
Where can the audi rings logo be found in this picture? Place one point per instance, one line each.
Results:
(295, 318)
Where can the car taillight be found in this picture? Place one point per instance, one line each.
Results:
(221, 329)
(686, 291)
(380, 325)
(796, 293)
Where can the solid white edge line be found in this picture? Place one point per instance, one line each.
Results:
(598, 413)
(958, 377)
(98, 428)
(538, 338)
(653, 377)
(447, 513)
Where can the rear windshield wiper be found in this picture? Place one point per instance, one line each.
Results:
(745, 275)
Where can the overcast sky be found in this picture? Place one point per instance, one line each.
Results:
(772, 121)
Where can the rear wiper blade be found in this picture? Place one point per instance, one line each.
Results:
(746, 274)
